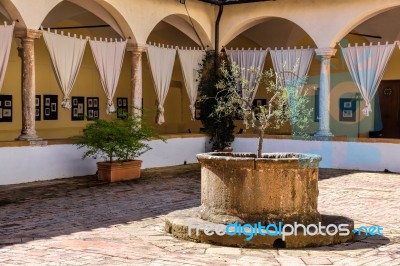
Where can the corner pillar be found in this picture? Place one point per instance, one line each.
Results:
(325, 55)
(136, 79)
(27, 53)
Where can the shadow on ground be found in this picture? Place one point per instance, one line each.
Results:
(59, 207)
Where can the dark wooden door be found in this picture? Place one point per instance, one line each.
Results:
(389, 100)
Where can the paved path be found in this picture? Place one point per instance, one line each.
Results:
(81, 221)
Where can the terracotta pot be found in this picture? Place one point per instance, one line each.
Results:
(277, 187)
(116, 171)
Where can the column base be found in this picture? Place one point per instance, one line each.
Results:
(29, 137)
(323, 134)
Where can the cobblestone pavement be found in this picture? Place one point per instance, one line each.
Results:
(81, 221)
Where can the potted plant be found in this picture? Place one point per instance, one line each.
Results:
(253, 187)
(118, 141)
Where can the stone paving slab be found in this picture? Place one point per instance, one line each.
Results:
(81, 221)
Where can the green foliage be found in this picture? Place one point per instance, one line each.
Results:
(284, 105)
(220, 129)
(116, 140)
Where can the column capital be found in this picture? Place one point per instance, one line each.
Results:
(27, 33)
(136, 48)
(325, 52)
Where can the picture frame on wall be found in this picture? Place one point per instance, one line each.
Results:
(93, 105)
(347, 109)
(78, 108)
(6, 104)
(50, 108)
(38, 103)
(122, 107)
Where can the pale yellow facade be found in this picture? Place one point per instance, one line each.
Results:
(281, 23)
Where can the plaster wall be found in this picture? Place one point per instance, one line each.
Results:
(28, 164)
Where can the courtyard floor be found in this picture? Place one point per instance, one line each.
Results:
(81, 221)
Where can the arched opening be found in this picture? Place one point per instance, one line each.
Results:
(384, 120)
(174, 30)
(279, 33)
(86, 19)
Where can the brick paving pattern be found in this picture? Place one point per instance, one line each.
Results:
(81, 221)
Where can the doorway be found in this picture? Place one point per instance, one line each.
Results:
(389, 101)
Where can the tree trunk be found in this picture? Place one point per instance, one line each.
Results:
(260, 143)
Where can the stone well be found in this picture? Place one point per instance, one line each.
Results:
(238, 188)
(279, 187)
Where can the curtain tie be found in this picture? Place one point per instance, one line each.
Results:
(192, 111)
(367, 109)
(110, 106)
(66, 103)
(160, 114)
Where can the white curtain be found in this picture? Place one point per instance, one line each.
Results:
(367, 65)
(292, 64)
(246, 60)
(66, 55)
(162, 63)
(190, 62)
(6, 34)
(109, 56)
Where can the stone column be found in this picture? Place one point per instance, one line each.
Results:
(27, 53)
(325, 55)
(136, 78)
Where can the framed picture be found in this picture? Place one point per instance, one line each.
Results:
(6, 112)
(75, 112)
(122, 107)
(80, 108)
(37, 107)
(50, 107)
(6, 108)
(347, 109)
(316, 105)
(92, 111)
(347, 113)
(74, 101)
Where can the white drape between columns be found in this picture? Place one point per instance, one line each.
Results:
(190, 62)
(66, 54)
(109, 56)
(161, 61)
(292, 64)
(366, 65)
(6, 34)
(246, 61)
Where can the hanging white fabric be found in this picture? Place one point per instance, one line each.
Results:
(161, 63)
(109, 56)
(366, 66)
(66, 54)
(292, 64)
(6, 34)
(190, 62)
(251, 64)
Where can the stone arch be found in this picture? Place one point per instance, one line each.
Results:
(103, 10)
(241, 27)
(361, 18)
(182, 23)
(11, 12)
